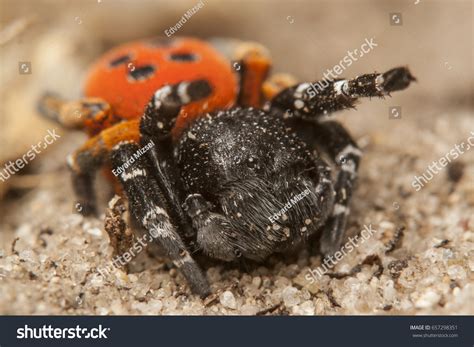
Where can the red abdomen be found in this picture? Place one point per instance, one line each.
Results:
(127, 76)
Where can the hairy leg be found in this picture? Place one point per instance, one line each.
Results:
(149, 206)
(276, 83)
(92, 114)
(85, 161)
(214, 232)
(312, 100)
(252, 62)
(333, 139)
(156, 124)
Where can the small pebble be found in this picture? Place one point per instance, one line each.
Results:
(227, 299)
(290, 296)
(428, 299)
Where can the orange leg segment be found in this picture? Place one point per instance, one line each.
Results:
(85, 161)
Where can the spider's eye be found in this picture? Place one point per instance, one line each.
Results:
(120, 60)
(183, 57)
(141, 73)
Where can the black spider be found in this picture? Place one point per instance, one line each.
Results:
(245, 181)
(241, 182)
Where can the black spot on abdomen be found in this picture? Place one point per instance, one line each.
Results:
(141, 73)
(183, 57)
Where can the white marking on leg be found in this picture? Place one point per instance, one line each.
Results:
(340, 209)
(160, 95)
(136, 172)
(164, 229)
(349, 166)
(153, 213)
(299, 104)
(341, 87)
(378, 84)
(186, 258)
(121, 143)
(300, 89)
(156, 211)
(183, 92)
(344, 193)
(349, 149)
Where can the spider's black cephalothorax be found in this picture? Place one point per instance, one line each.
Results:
(245, 181)
(242, 167)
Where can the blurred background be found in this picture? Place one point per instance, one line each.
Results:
(58, 39)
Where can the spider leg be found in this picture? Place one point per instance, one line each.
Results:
(333, 139)
(311, 100)
(276, 83)
(156, 125)
(93, 114)
(149, 206)
(324, 188)
(214, 231)
(252, 63)
(162, 112)
(85, 161)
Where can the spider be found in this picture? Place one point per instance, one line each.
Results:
(207, 150)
